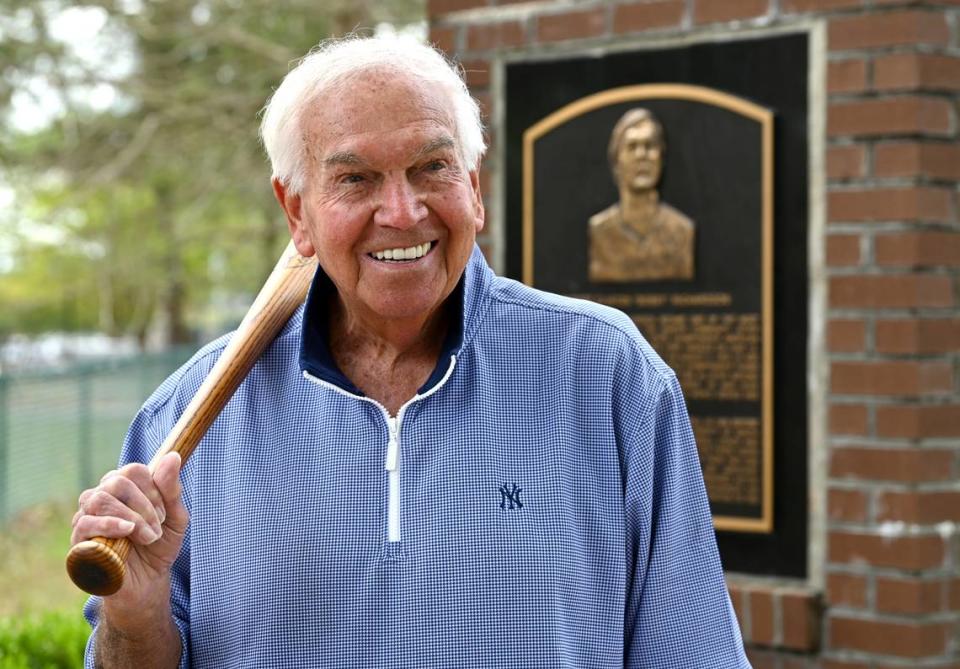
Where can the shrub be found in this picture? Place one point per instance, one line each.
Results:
(52, 640)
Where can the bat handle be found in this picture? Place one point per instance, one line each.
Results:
(97, 565)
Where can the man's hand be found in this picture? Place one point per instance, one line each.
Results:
(146, 509)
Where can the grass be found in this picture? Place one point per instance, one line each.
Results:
(32, 575)
(41, 624)
(42, 641)
(59, 433)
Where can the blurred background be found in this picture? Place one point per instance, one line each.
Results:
(136, 222)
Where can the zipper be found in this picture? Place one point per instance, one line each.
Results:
(392, 458)
(392, 466)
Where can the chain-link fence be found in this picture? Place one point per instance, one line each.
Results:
(61, 430)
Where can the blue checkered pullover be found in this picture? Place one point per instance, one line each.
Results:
(549, 506)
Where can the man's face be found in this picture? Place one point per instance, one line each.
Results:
(640, 157)
(388, 207)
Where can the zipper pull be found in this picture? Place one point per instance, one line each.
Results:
(393, 447)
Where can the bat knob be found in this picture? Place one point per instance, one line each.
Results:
(96, 567)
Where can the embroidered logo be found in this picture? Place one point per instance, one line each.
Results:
(510, 497)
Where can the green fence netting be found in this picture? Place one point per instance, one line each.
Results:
(61, 430)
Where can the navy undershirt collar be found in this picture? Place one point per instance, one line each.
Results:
(315, 356)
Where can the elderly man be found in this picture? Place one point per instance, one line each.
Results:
(431, 466)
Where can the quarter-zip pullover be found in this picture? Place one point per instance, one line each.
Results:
(539, 503)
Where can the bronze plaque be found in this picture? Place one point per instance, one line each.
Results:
(656, 229)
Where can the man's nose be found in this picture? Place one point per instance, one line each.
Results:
(400, 205)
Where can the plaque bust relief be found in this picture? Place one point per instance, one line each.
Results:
(639, 238)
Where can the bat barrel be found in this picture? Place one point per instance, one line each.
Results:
(98, 565)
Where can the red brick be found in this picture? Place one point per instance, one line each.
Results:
(485, 178)
(444, 39)
(924, 508)
(737, 598)
(793, 662)
(953, 595)
(869, 31)
(912, 552)
(847, 590)
(891, 464)
(571, 25)
(846, 76)
(761, 618)
(647, 15)
(918, 249)
(761, 659)
(910, 159)
(818, 5)
(840, 664)
(846, 162)
(897, 377)
(846, 505)
(848, 419)
(843, 250)
(900, 291)
(484, 101)
(711, 11)
(919, 422)
(800, 621)
(485, 36)
(486, 247)
(916, 71)
(846, 336)
(923, 336)
(891, 204)
(881, 116)
(477, 73)
(908, 596)
(887, 638)
(438, 7)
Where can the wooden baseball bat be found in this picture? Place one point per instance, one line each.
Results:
(98, 565)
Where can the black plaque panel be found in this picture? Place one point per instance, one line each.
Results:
(712, 175)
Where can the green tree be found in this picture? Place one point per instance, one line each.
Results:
(160, 199)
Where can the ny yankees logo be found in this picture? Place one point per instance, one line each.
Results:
(510, 496)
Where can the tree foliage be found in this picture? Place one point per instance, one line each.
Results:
(145, 198)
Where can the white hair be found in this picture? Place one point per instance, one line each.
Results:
(329, 64)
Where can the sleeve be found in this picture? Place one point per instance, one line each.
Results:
(142, 441)
(678, 611)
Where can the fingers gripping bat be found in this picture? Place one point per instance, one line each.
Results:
(98, 565)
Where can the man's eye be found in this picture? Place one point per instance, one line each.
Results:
(351, 179)
(435, 165)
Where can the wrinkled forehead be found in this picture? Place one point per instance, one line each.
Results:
(373, 100)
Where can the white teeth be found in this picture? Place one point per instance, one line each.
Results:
(409, 253)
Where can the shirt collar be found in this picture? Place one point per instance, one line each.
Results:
(315, 355)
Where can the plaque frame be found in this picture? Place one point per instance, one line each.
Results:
(764, 117)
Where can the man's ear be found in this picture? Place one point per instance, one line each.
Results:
(292, 207)
(478, 209)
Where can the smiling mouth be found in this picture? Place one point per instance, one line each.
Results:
(403, 254)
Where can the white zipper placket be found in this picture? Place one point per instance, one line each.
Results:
(392, 459)
(392, 466)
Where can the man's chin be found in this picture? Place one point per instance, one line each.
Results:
(642, 185)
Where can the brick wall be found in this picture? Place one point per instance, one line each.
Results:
(889, 595)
